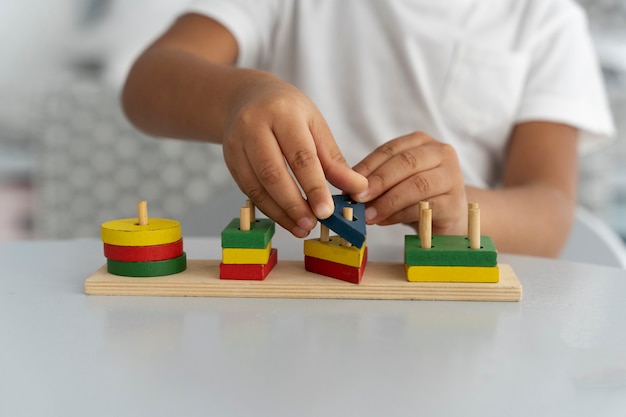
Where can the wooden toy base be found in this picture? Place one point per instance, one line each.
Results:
(289, 279)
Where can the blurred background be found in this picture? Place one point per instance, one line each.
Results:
(69, 160)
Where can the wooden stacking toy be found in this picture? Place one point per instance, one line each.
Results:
(430, 258)
(247, 252)
(143, 247)
(335, 256)
(435, 267)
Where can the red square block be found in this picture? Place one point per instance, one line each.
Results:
(334, 270)
(249, 271)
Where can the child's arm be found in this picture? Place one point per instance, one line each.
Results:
(531, 214)
(185, 86)
(534, 211)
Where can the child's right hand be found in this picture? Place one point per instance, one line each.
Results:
(273, 123)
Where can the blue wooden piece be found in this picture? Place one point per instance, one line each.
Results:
(353, 231)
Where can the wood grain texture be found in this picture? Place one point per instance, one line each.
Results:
(289, 279)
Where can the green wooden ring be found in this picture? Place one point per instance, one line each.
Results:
(148, 269)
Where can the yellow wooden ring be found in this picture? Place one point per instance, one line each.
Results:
(126, 232)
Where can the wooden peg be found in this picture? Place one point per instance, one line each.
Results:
(470, 206)
(426, 228)
(324, 233)
(348, 214)
(252, 208)
(422, 206)
(474, 228)
(142, 213)
(244, 218)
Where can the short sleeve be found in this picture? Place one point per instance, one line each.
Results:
(565, 83)
(250, 21)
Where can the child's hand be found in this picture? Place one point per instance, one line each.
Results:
(410, 169)
(273, 123)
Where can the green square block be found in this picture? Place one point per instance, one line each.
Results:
(258, 237)
(449, 251)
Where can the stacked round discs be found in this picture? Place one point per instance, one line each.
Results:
(141, 248)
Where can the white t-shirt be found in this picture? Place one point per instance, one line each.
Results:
(463, 71)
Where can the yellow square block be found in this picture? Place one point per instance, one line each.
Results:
(246, 256)
(333, 251)
(452, 273)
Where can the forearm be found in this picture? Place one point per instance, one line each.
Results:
(174, 93)
(526, 219)
(186, 86)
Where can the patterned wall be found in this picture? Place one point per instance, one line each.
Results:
(93, 166)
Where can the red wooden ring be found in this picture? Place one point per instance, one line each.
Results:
(144, 253)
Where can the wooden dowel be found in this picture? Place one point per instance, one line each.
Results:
(426, 228)
(252, 208)
(142, 213)
(423, 205)
(474, 228)
(244, 218)
(470, 206)
(348, 214)
(324, 233)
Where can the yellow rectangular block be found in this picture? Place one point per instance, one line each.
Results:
(488, 274)
(333, 251)
(246, 256)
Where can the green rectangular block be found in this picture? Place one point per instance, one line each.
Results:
(258, 237)
(449, 251)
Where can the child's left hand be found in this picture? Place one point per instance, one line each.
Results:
(410, 169)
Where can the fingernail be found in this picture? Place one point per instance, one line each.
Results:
(323, 211)
(362, 195)
(298, 232)
(306, 224)
(370, 213)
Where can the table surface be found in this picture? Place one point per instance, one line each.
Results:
(560, 351)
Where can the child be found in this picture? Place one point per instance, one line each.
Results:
(464, 100)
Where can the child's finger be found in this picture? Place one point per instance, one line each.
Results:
(246, 178)
(445, 217)
(422, 186)
(425, 185)
(388, 150)
(268, 164)
(298, 148)
(336, 169)
(402, 166)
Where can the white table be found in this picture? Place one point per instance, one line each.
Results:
(560, 351)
